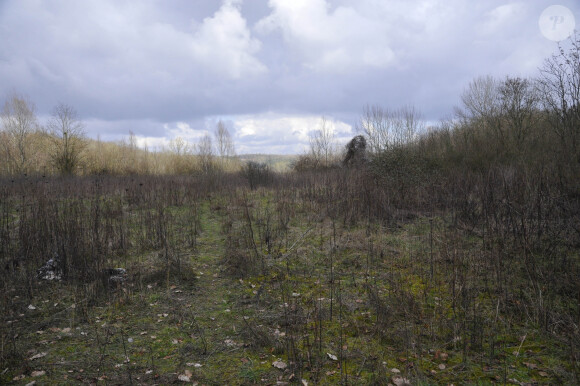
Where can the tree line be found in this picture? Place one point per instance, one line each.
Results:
(60, 147)
(500, 121)
(509, 122)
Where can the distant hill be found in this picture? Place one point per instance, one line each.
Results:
(278, 162)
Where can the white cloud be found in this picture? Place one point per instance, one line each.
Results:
(277, 133)
(501, 18)
(185, 131)
(152, 143)
(335, 41)
(224, 42)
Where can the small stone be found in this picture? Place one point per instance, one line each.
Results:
(400, 381)
(279, 364)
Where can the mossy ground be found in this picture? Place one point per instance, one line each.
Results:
(334, 302)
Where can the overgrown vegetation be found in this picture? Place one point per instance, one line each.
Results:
(450, 256)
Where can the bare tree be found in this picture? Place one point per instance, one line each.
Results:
(179, 146)
(559, 86)
(481, 112)
(322, 143)
(225, 144)
(375, 128)
(68, 136)
(385, 128)
(519, 108)
(480, 99)
(18, 122)
(205, 154)
(413, 123)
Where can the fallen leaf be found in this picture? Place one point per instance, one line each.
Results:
(39, 355)
(331, 356)
(31, 383)
(31, 307)
(441, 366)
(279, 365)
(38, 373)
(543, 373)
(395, 371)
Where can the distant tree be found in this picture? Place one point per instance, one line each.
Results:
(374, 127)
(69, 143)
(518, 101)
(559, 87)
(257, 173)
(225, 144)
(322, 143)
(205, 154)
(179, 146)
(385, 129)
(18, 122)
(412, 124)
(480, 99)
(181, 152)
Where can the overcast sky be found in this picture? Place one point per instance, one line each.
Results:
(269, 68)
